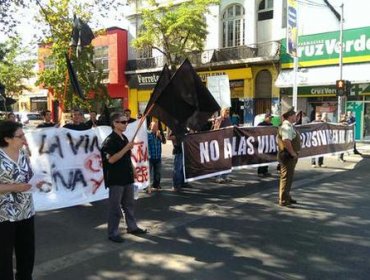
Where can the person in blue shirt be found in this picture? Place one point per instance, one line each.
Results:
(155, 141)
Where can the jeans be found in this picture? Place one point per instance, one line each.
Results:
(178, 172)
(121, 198)
(155, 172)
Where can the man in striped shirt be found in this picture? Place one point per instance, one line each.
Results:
(155, 155)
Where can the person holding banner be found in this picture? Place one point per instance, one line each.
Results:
(263, 171)
(16, 206)
(223, 121)
(119, 177)
(318, 161)
(289, 145)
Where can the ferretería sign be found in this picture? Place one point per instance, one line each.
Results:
(323, 48)
(144, 80)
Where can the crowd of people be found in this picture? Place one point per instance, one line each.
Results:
(16, 204)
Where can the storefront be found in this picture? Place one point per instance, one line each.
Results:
(319, 70)
(241, 82)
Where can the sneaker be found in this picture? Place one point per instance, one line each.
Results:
(323, 165)
(313, 165)
(341, 160)
(228, 179)
(116, 239)
(137, 231)
(176, 189)
(220, 180)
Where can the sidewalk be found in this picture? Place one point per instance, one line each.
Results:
(218, 231)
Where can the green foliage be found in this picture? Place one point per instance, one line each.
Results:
(13, 69)
(58, 21)
(174, 30)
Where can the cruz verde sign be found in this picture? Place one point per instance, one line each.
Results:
(323, 48)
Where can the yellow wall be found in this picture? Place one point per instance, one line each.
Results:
(274, 73)
(247, 74)
(134, 97)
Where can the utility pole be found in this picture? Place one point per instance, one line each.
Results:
(341, 99)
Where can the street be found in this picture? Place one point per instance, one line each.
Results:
(219, 231)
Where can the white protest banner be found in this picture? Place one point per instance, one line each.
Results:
(220, 89)
(68, 168)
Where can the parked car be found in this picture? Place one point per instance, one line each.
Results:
(29, 119)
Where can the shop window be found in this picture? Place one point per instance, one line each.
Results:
(266, 10)
(233, 26)
(101, 60)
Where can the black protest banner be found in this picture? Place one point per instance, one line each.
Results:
(210, 153)
(325, 138)
(205, 155)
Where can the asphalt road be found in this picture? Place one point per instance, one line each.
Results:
(213, 231)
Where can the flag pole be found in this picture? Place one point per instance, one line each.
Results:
(65, 83)
(142, 120)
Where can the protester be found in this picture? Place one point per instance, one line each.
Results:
(47, 120)
(263, 171)
(119, 175)
(318, 161)
(178, 168)
(16, 206)
(127, 113)
(305, 118)
(155, 155)
(223, 121)
(342, 121)
(11, 117)
(352, 120)
(289, 145)
(77, 121)
(92, 122)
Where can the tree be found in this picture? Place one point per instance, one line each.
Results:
(58, 22)
(9, 8)
(174, 30)
(14, 71)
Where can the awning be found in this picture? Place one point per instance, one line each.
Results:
(319, 76)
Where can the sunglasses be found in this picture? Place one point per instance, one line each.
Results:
(122, 122)
(19, 136)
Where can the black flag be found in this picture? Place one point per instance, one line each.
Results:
(185, 102)
(162, 82)
(73, 78)
(82, 34)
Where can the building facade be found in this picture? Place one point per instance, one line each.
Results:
(243, 43)
(110, 54)
(319, 64)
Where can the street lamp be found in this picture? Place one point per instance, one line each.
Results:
(341, 99)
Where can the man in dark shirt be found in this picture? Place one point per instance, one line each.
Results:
(47, 120)
(77, 121)
(92, 122)
(127, 113)
(119, 177)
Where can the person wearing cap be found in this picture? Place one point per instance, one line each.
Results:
(263, 171)
(289, 145)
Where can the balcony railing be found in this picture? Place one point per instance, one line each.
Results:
(209, 57)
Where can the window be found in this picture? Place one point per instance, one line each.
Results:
(101, 60)
(266, 10)
(49, 63)
(233, 26)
